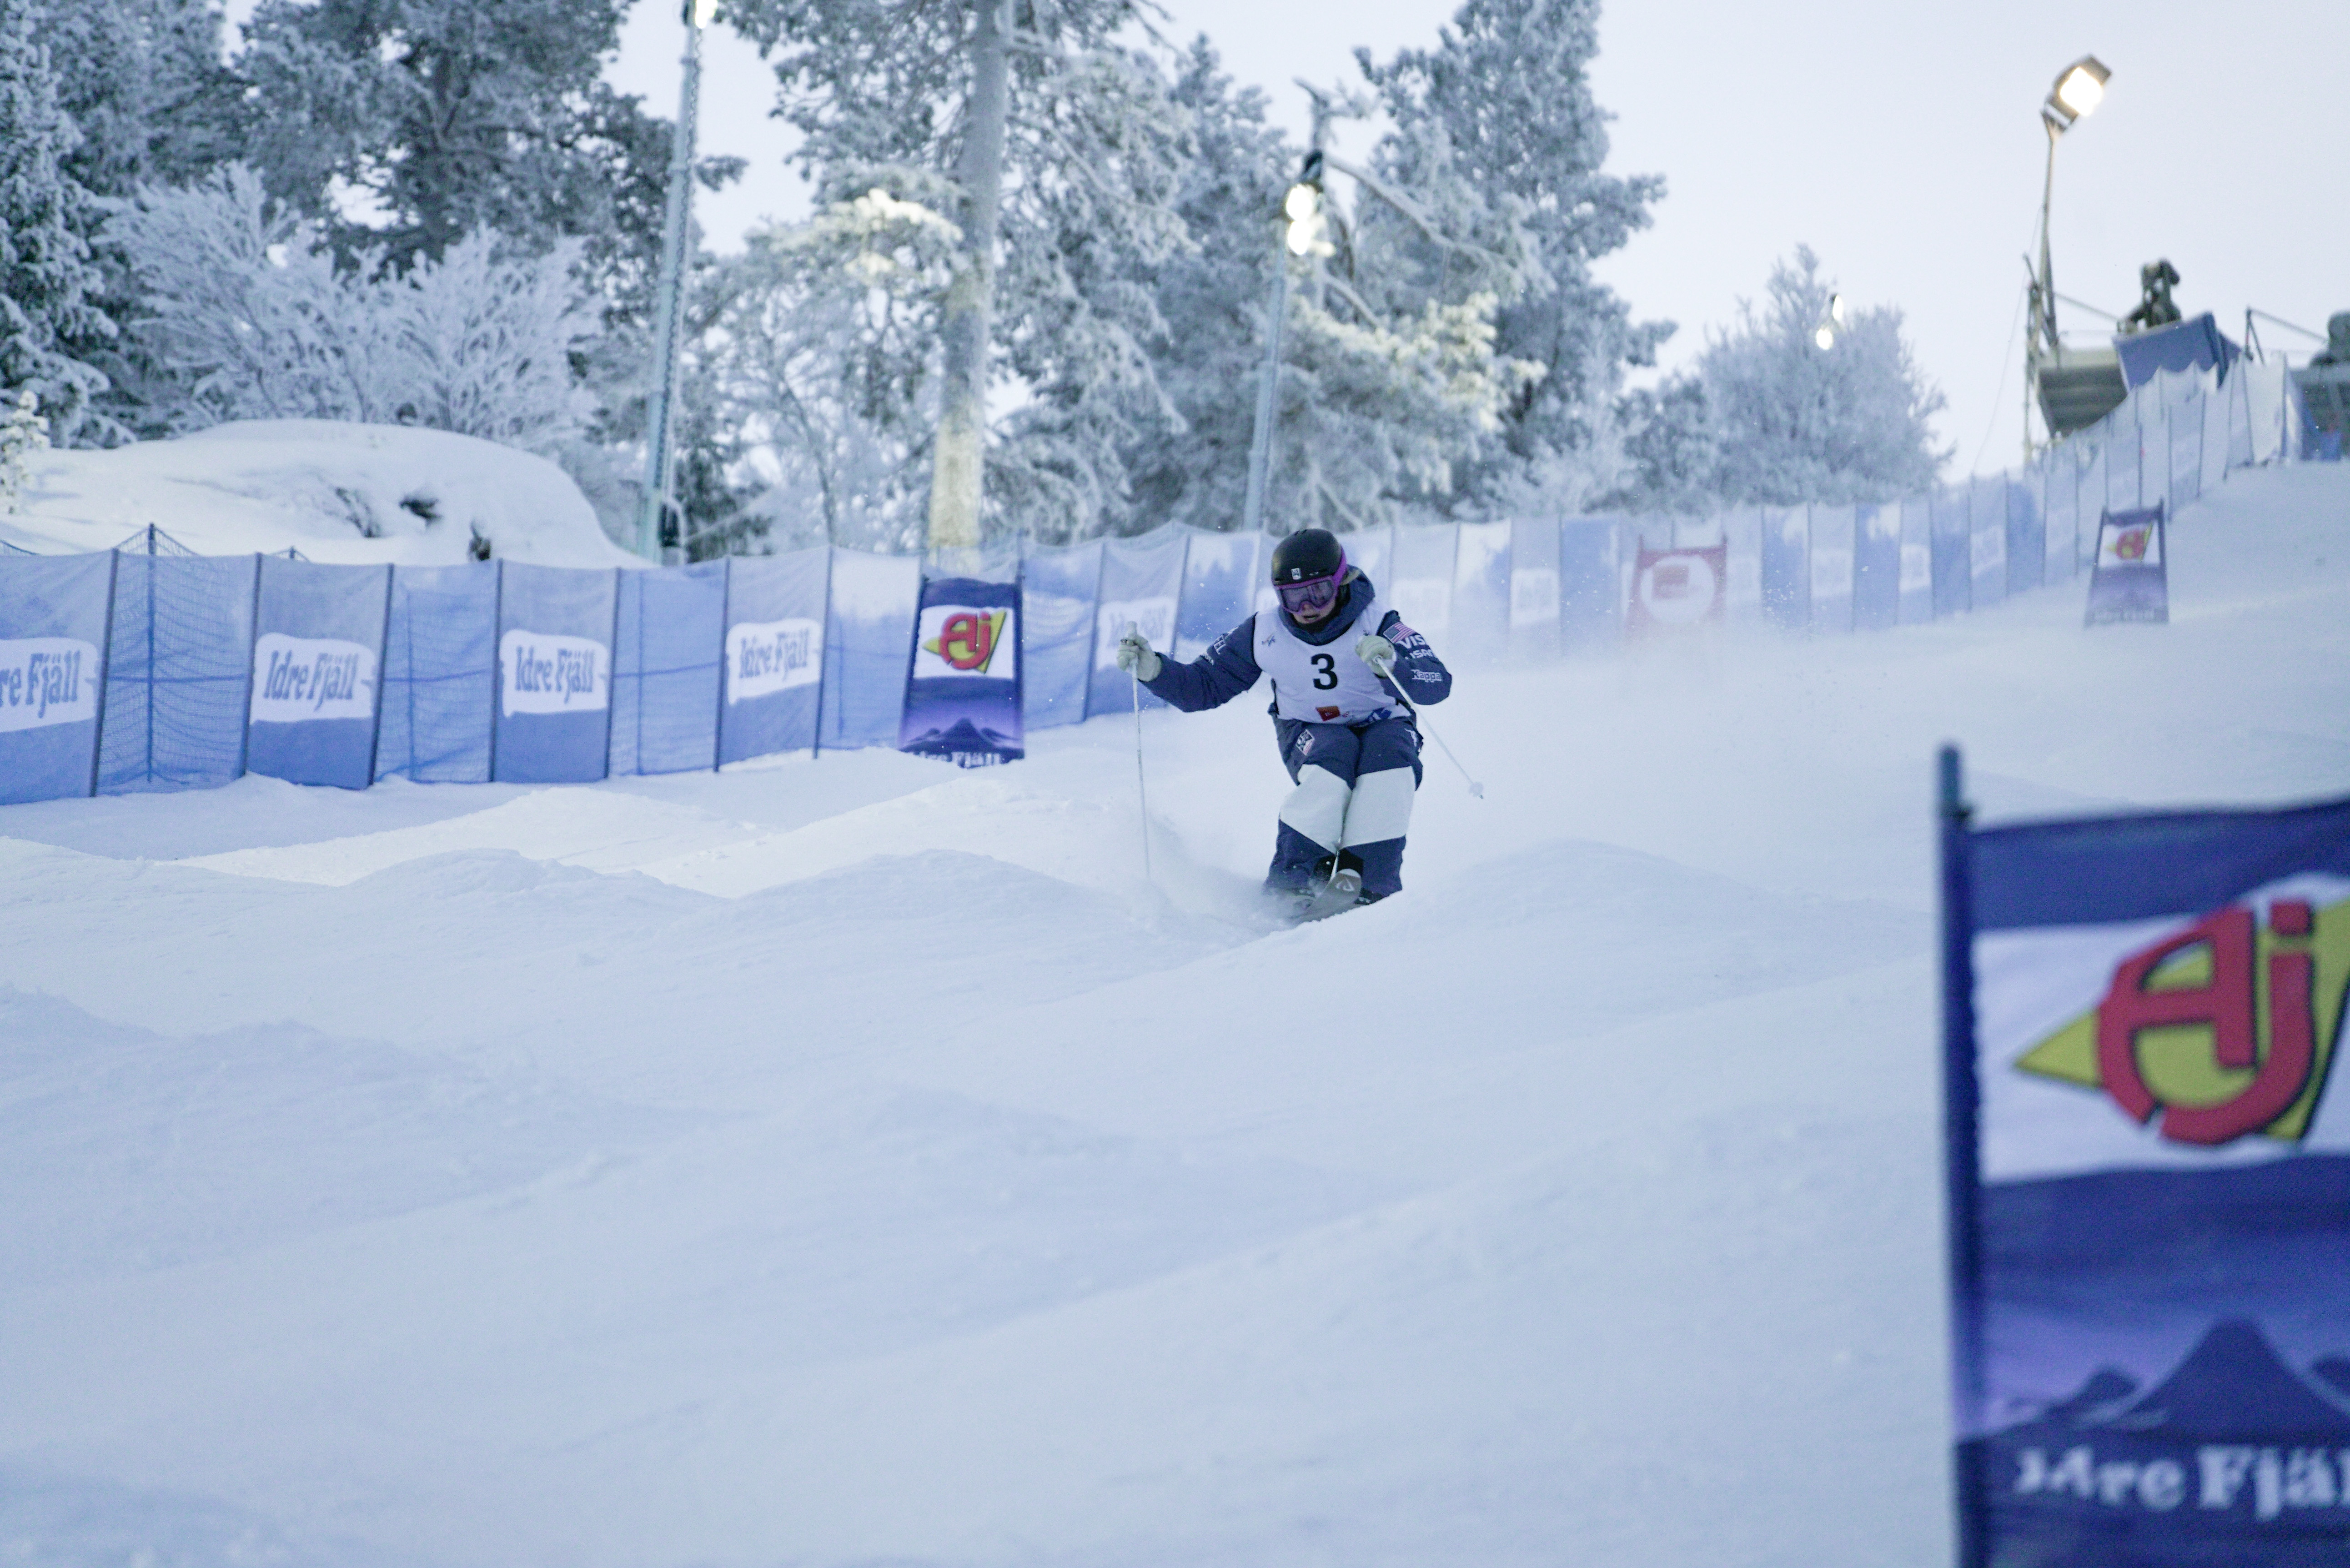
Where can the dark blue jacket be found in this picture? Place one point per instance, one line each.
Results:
(1229, 667)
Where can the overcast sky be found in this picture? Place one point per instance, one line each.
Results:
(1902, 142)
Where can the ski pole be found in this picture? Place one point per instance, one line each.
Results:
(1475, 788)
(1141, 788)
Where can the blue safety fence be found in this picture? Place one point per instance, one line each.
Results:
(317, 654)
(177, 667)
(53, 641)
(774, 610)
(148, 668)
(441, 674)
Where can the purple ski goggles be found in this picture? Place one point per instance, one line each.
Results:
(1313, 593)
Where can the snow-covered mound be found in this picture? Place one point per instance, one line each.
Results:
(854, 1161)
(334, 491)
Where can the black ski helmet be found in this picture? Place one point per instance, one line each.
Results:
(1306, 556)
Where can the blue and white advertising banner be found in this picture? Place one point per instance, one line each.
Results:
(1876, 567)
(317, 672)
(1533, 591)
(963, 683)
(774, 649)
(1371, 549)
(866, 630)
(177, 670)
(53, 612)
(2150, 1189)
(1833, 561)
(1952, 533)
(665, 668)
(556, 627)
(2027, 533)
(1588, 588)
(1220, 580)
(1421, 591)
(2061, 516)
(1917, 560)
(1786, 567)
(2182, 400)
(1987, 541)
(2129, 579)
(1056, 639)
(439, 674)
(1142, 584)
(1481, 593)
(2125, 459)
(1742, 541)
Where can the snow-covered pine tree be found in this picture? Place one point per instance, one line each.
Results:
(1497, 129)
(879, 91)
(1796, 422)
(155, 103)
(50, 321)
(22, 432)
(1210, 296)
(249, 317)
(400, 127)
(818, 352)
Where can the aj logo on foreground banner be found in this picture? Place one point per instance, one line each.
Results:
(2222, 1030)
(2149, 1188)
(966, 639)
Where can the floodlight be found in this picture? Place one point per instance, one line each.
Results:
(1824, 338)
(2080, 88)
(1837, 309)
(1304, 206)
(704, 12)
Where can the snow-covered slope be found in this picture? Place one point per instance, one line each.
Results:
(334, 491)
(852, 1161)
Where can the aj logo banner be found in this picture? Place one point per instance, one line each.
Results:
(2222, 1029)
(962, 640)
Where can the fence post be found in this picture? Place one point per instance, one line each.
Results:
(105, 671)
(382, 653)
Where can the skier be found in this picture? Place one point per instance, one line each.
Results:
(1338, 654)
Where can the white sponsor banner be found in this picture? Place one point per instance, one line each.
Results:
(1917, 568)
(974, 642)
(298, 678)
(1831, 572)
(1988, 550)
(1533, 596)
(2138, 544)
(1425, 603)
(764, 656)
(47, 681)
(1679, 589)
(540, 672)
(1156, 617)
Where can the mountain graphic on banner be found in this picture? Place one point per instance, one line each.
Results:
(960, 736)
(2232, 1387)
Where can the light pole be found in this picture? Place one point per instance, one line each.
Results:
(669, 294)
(2079, 89)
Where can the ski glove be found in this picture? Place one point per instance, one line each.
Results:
(1378, 653)
(1136, 657)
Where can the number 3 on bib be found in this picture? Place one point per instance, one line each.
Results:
(1325, 673)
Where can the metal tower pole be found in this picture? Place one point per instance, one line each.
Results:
(669, 292)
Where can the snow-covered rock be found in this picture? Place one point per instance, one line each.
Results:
(334, 491)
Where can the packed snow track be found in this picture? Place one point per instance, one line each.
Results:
(855, 1161)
